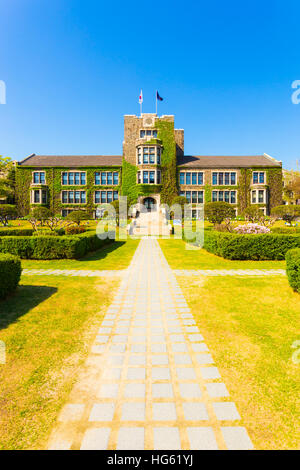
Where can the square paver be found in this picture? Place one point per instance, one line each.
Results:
(138, 348)
(182, 359)
(122, 330)
(158, 348)
(236, 438)
(117, 348)
(204, 359)
(136, 373)
(133, 412)
(202, 438)
(162, 390)
(102, 412)
(186, 373)
(199, 347)
(217, 390)
(160, 359)
(134, 391)
(137, 360)
(210, 373)
(195, 411)
(161, 373)
(115, 360)
(177, 338)
(195, 338)
(102, 339)
(120, 339)
(169, 440)
(158, 339)
(164, 412)
(179, 347)
(131, 439)
(95, 439)
(226, 411)
(139, 339)
(71, 412)
(108, 391)
(189, 390)
(113, 373)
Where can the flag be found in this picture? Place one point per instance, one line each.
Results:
(141, 97)
(158, 97)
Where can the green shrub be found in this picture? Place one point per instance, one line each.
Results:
(74, 229)
(287, 212)
(77, 216)
(251, 247)
(216, 212)
(292, 258)
(52, 247)
(10, 273)
(7, 211)
(16, 232)
(285, 229)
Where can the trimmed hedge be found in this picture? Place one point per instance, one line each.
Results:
(16, 232)
(10, 273)
(285, 230)
(59, 247)
(251, 247)
(292, 258)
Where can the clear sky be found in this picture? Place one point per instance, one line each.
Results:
(73, 68)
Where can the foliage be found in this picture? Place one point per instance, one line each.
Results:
(244, 189)
(7, 211)
(292, 258)
(77, 217)
(181, 200)
(216, 212)
(246, 246)
(169, 188)
(7, 179)
(288, 212)
(251, 228)
(41, 214)
(75, 229)
(252, 213)
(53, 247)
(285, 229)
(10, 273)
(16, 232)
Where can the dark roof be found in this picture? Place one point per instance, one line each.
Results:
(199, 161)
(70, 161)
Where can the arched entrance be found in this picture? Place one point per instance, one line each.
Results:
(150, 204)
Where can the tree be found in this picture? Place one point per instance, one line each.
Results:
(41, 214)
(77, 217)
(116, 206)
(181, 200)
(252, 213)
(7, 211)
(216, 212)
(288, 212)
(7, 179)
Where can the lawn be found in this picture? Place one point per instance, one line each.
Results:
(116, 255)
(250, 325)
(179, 257)
(48, 326)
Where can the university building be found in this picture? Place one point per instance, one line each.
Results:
(152, 170)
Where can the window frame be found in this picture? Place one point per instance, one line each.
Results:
(73, 173)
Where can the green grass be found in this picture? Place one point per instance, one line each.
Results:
(48, 326)
(249, 326)
(116, 255)
(180, 258)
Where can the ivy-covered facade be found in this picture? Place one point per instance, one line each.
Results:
(152, 170)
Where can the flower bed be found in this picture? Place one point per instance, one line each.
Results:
(251, 228)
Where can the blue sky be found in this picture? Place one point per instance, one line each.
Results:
(73, 68)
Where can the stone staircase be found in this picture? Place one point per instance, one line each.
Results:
(151, 224)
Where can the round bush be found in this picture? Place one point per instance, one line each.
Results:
(74, 229)
(216, 212)
(292, 258)
(10, 273)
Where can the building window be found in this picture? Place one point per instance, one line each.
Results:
(36, 197)
(194, 197)
(148, 155)
(200, 179)
(39, 196)
(73, 178)
(105, 196)
(181, 178)
(188, 178)
(194, 178)
(73, 197)
(39, 177)
(224, 178)
(116, 179)
(66, 212)
(258, 196)
(148, 133)
(148, 177)
(258, 177)
(224, 196)
(106, 178)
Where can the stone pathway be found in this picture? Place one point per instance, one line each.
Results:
(149, 381)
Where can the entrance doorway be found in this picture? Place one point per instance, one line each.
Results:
(150, 204)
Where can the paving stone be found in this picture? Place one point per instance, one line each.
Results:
(137, 359)
(179, 347)
(120, 339)
(182, 359)
(108, 391)
(134, 390)
(169, 440)
(131, 439)
(162, 390)
(195, 411)
(158, 348)
(98, 348)
(102, 339)
(190, 390)
(71, 412)
(177, 338)
(217, 390)
(164, 411)
(136, 373)
(133, 412)
(236, 438)
(202, 438)
(226, 411)
(210, 373)
(160, 359)
(199, 347)
(117, 348)
(161, 373)
(138, 348)
(112, 373)
(115, 360)
(102, 412)
(195, 338)
(186, 373)
(95, 439)
(204, 359)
